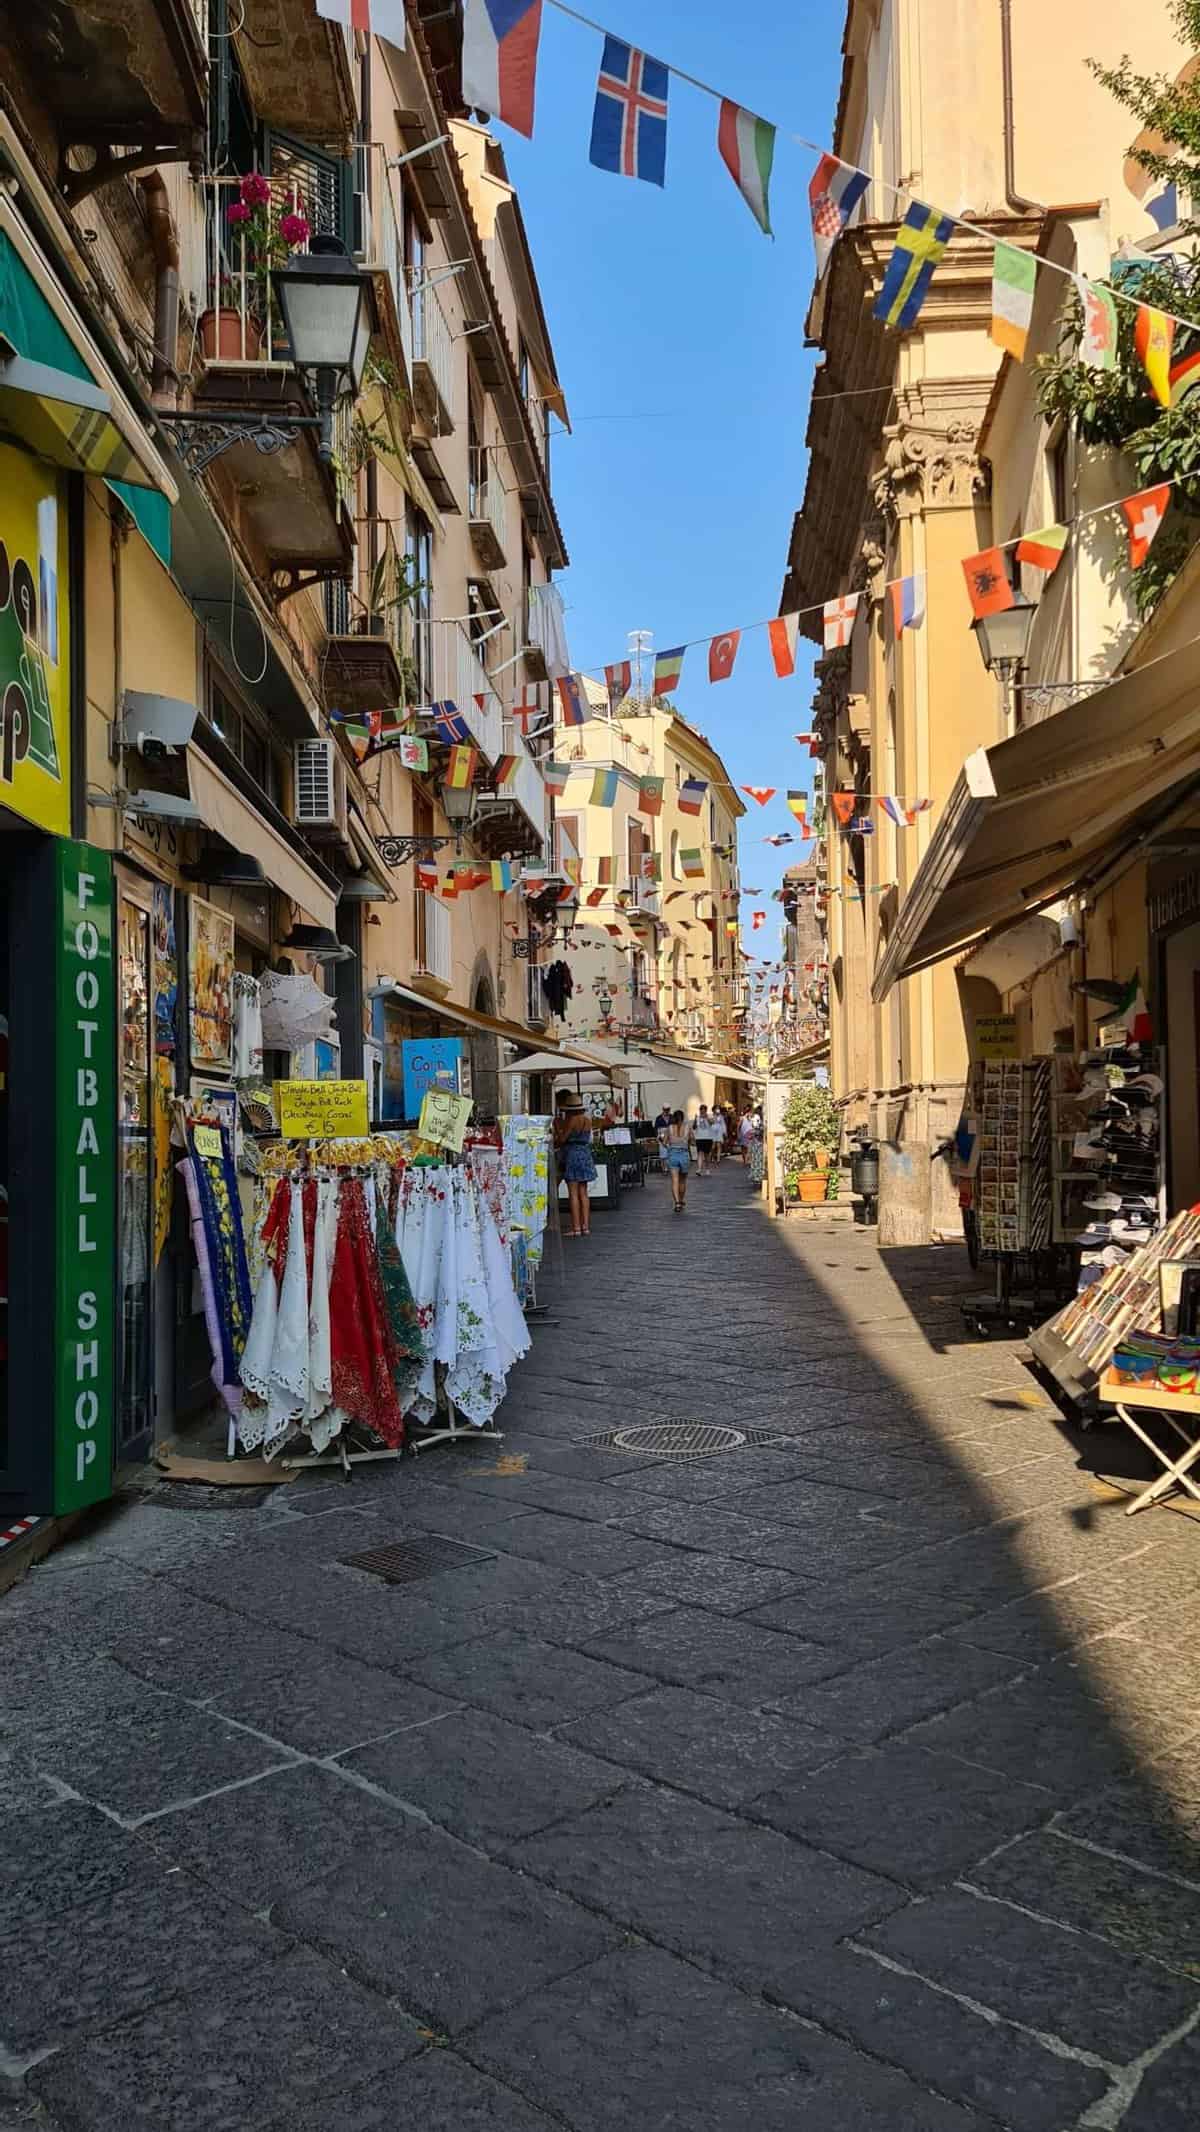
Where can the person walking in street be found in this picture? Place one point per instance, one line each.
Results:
(702, 1136)
(717, 1121)
(678, 1143)
(573, 1143)
(745, 1134)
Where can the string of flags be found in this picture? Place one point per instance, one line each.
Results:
(629, 139)
(1042, 549)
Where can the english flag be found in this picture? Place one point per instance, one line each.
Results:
(499, 56)
(782, 633)
(722, 652)
(838, 618)
(1145, 513)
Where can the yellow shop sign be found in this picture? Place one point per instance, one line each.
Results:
(35, 667)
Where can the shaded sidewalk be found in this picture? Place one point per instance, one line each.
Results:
(845, 1778)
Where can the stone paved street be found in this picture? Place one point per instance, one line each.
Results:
(846, 1780)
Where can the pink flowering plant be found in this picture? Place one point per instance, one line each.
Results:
(271, 226)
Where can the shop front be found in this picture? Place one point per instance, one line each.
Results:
(1173, 921)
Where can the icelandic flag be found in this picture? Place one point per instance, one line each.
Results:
(450, 723)
(499, 59)
(834, 192)
(629, 123)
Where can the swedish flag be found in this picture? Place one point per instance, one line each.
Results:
(923, 237)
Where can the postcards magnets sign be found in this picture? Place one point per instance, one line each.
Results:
(85, 1130)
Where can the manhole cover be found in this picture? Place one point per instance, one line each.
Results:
(410, 1560)
(679, 1439)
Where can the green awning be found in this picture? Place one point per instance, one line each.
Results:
(151, 514)
(52, 398)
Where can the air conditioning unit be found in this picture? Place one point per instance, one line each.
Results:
(320, 787)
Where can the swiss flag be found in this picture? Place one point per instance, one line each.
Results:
(722, 652)
(1145, 513)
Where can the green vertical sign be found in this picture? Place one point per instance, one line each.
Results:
(84, 1176)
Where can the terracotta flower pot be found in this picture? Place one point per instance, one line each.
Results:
(812, 1187)
(225, 337)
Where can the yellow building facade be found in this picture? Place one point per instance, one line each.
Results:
(959, 108)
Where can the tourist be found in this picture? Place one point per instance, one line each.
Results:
(573, 1142)
(678, 1145)
(717, 1122)
(702, 1137)
(745, 1134)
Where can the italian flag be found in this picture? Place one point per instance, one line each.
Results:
(747, 146)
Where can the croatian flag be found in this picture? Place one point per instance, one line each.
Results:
(499, 58)
(629, 123)
(834, 192)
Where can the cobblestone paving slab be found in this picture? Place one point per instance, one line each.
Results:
(845, 1781)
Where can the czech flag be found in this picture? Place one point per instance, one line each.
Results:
(499, 59)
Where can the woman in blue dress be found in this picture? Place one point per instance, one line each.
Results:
(573, 1140)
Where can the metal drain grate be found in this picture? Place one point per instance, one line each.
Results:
(688, 1439)
(409, 1560)
(678, 1439)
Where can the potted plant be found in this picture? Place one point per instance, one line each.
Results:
(266, 230)
(811, 1127)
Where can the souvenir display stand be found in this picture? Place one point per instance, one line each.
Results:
(1076, 1346)
(374, 1300)
(1010, 1114)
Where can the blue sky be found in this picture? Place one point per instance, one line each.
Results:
(679, 333)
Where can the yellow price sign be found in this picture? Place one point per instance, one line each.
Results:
(996, 1036)
(444, 1118)
(206, 1140)
(322, 1110)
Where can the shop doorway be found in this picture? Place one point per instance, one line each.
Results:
(1181, 1001)
(485, 1054)
(135, 1314)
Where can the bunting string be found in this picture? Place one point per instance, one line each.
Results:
(855, 170)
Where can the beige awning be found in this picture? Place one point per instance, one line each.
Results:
(1028, 818)
(228, 815)
(721, 1067)
(489, 1024)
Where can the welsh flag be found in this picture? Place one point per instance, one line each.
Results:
(747, 146)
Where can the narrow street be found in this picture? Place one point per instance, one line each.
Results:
(845, 1778)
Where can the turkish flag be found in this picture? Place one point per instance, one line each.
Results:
(1145, 513)
(987, 582)
(722, 652)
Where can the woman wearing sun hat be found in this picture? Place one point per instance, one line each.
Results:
(573, 1141)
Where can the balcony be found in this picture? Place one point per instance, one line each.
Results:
(546, 655)
(643, 1012)
(136, 78)
(457, 675)
(299, 69)
(434, 958)
(433, 360)
(294, 506)
(485, 509)
(362, 667)
(514, 819)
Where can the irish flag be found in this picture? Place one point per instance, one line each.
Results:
(1013, 276)
(747, 146)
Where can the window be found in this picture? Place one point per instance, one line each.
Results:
(413, 238)
(712, 821)
(567, 844)
(676, 868)
(523, 372)
(1058, 472)
(419, 535)
(637, 846)
(245, 735)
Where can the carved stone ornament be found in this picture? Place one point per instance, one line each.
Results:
(923, 469)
